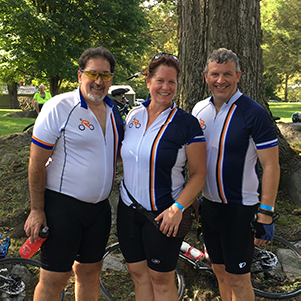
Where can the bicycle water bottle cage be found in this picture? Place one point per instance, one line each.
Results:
(119, 91)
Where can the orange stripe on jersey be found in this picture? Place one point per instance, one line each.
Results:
(115, 146)
(42, 142)
(221, 153)
(153, 158)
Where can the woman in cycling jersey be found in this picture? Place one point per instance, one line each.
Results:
(159, 139)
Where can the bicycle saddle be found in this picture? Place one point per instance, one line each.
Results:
(119, 91)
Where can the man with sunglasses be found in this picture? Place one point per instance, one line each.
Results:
(71, 173)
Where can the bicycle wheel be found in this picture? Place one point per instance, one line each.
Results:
(18, 278)
(276, 270)
(115, 271)
(26, 128)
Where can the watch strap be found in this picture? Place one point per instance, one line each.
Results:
(270, 213)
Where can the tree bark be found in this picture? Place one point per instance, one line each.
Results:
(55, 83)
(285, 87)
(205, 25)
(13, 95)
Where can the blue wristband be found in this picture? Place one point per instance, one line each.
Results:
(181, 207)
(266, 207)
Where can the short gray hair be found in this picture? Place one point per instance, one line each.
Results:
(222, 55)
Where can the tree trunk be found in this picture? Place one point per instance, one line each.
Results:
(285, 87)
(206, 25)
(13, 95)
(55, 83)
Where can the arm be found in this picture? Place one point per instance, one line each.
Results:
(37, 181)
(197, 168)
(34, 102)
(269, 160)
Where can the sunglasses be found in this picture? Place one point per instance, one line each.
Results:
(95, 75)
(162, 54)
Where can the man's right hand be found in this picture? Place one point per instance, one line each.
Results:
(33, 224)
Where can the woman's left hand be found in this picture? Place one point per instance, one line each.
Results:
(170, 220)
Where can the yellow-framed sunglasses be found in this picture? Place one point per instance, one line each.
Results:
(95, 75)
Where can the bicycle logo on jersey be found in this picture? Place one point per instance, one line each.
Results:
(203, 125)
(136, 123)
(84, 124)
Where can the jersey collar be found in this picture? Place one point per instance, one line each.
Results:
(84, 105)
(146, 104)
(231, 100)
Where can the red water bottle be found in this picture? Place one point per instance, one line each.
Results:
(28, 249)
(191, 252)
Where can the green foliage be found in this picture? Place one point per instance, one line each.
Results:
(161, 36)
(280, 21)
(44, 39)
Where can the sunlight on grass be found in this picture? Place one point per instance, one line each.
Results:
(10, 125)
(284, 110)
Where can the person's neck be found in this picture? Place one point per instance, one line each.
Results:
(154, 111)
(157, 109)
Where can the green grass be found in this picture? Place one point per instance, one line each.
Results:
(10, 125)
(284, 110)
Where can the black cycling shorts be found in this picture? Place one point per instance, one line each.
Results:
(228, 234)
(145, 242)
(77, 231)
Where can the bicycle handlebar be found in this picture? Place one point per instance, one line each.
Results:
(134, 76)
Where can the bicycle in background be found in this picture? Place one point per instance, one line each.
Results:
(275, 271)
(124, 105)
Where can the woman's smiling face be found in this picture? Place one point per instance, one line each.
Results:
(163, 85)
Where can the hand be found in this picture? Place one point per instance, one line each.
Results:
(33, 224)
(263, 232)
(170, 220)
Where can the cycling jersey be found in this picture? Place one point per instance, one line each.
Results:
(233, 137)
(154, 158)
(83, 161)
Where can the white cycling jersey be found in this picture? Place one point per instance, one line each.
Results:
(83, 161)
(154, 159)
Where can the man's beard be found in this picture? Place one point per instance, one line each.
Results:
(97, 98)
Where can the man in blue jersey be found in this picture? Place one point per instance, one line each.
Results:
(238, 131)
(71, 173)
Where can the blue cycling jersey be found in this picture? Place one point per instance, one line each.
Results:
(233, 137)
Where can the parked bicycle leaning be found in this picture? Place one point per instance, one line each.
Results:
(275, 270)
(159, 138)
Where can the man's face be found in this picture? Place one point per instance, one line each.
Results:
(94, 90)
(222, 80)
